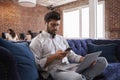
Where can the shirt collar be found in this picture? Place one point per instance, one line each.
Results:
(47, 34)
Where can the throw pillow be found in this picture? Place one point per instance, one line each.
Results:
(108, 51)
(24, 58)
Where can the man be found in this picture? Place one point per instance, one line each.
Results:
(51, 57)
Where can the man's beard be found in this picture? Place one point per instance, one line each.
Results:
(51, 32)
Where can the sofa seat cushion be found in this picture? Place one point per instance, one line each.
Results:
(108, 51)
(112, 72)
(24, 59)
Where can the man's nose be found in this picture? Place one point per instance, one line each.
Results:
(55, 27)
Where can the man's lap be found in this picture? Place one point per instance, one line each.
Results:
(68, 75)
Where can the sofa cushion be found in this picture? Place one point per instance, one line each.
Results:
(24, 58)
(108, 51)
(112, 72)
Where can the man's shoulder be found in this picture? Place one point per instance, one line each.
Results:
(61, 37)
(39, 38)
(35, 41)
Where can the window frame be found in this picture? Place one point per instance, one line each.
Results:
(80, 18)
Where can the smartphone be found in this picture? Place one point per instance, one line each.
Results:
(68, 49)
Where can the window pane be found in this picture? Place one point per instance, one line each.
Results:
(71, 24)
(100, 21)
(85, 22)
(76, 22)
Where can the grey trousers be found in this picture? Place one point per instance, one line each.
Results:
(88, 74)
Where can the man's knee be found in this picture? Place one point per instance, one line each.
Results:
(102, 61)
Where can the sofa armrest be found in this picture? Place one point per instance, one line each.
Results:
(8, 68)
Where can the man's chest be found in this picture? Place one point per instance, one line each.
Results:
(51, 46)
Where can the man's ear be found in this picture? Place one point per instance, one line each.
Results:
(46, 23)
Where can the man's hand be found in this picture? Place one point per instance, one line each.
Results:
(60, 54)
(93, 63)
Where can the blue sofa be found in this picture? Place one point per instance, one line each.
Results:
(110, 48)
(20, 60)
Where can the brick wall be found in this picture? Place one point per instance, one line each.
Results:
(21, 18)
(112, 18)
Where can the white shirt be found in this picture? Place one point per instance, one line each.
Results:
(44, 45)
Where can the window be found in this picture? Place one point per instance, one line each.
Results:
(71, 24)
(76, 22)
(85, 22)
(100, 21)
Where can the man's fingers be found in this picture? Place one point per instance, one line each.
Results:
(93, 63)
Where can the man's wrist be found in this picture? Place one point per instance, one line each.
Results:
(81, 59)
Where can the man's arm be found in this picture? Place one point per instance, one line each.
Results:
(50, 59)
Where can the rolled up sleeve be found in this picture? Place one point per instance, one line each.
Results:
(72, 57)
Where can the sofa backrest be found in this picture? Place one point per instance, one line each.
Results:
(79, 46)
(101, 41)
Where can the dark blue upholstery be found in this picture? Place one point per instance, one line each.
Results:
(112, 72)
(8, 68)
(80, 47)
(109, 42)
(108, 50)
(24, 58)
